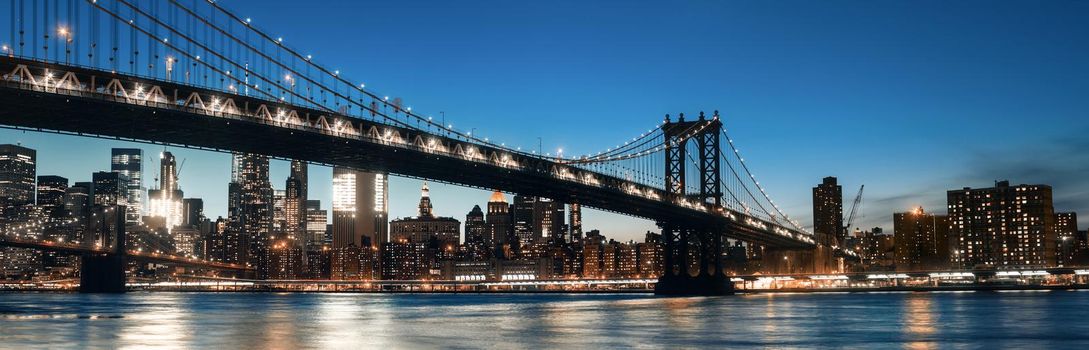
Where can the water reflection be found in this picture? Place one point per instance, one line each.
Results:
(300, 321)
(919, 322)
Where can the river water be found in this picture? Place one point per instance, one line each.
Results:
(974, 320)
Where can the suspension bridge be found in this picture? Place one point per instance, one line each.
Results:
(195, 74)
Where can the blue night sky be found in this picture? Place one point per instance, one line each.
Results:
(910, 98)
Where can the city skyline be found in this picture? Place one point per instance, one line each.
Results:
(558, 174)
(785, 77)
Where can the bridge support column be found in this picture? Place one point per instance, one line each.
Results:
(689, 272)
(105, 272)
(102, 273)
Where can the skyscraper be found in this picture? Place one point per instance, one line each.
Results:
(1003, 225)
(523, 211)
(828, 212)
(166, 202)
(193, 211)
(359, 207)
(921, 241)
(129, 163)
(548, 220)
(109, 189)
(316, 221)
(574, 220)
(295, 204)
(18, 166)
(51, 190)
(250, 204)
(500, 227)
(536, 219)
(477, 240)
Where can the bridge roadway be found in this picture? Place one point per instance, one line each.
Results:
(156, 258)
(44, 96)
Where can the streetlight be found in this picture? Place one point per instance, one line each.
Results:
(67, 35)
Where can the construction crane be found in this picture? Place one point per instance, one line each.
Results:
(854, 209)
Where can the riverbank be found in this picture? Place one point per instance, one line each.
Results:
(919, 289)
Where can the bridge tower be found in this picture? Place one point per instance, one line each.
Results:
(105, 272)
(693, 250)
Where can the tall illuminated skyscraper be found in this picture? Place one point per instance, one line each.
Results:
(295, 195)
(250, 203)
(129, 163)
(828, 211)
(359, 207)
(166, 201)
(17, 174)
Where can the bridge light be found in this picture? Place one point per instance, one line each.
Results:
(248, 20)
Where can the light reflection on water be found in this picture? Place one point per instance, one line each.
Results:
(292, 321)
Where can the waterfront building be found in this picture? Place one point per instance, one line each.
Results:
(403, 260)
(593, 258)
(319, 264)
(129, 163)
(1003, 226)
(495, 270)
(1067, 240)
(355, 263)
(921, 241)
(876, 249)
(284, 261)
(650, 256)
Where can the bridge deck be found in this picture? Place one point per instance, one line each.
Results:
(94, 110)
